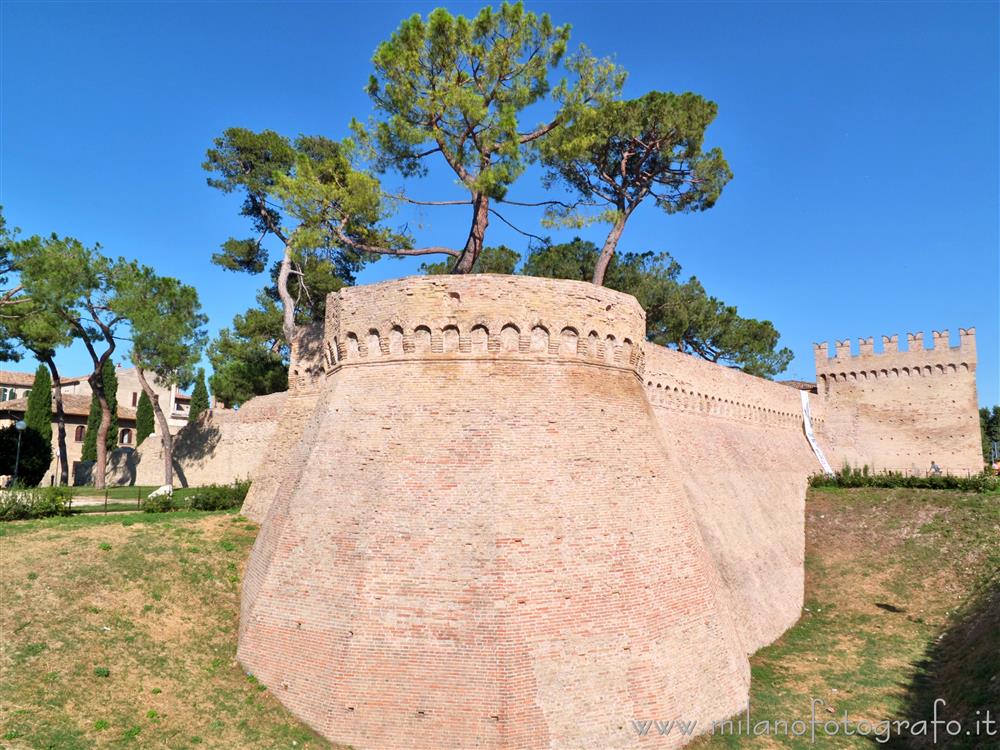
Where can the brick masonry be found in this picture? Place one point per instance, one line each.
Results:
(487, 542)
(493, 516)
(900, 410)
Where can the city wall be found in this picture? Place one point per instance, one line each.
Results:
(899, 410)
(497, 524)
(492, 515)
(223, 446)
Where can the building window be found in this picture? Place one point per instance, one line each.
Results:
(79, 433)
(125, 437)
(135, 398)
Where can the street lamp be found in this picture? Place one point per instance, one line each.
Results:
(21, 425)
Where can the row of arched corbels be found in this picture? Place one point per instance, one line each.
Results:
(917, 371)
(680, 399)
(499, 339)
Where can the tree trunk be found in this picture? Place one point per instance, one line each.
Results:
(60, 421)
(101, 465)
(287, 303)
(477, 235)
(610, 244)
(166, 439)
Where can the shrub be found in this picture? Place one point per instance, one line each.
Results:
(18, 504)
(855, 477)
(160, 504)
(35, 458)
(219, 496)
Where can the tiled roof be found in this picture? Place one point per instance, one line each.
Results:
(73, 405)
(12, 377)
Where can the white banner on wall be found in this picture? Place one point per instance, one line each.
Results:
(807, 421)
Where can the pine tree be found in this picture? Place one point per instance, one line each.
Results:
(38, 414)
(144, 424)
(199, 397)
(94, 419)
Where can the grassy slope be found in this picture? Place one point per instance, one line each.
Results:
(890, 576)
(153, 599)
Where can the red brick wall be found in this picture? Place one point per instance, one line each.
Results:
(487, 543)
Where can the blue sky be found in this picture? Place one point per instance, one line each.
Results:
(863, 138)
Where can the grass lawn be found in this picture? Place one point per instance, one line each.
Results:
(120, 631)
(126, 494)
(902, 607)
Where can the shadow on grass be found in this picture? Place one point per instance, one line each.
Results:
(961, 668)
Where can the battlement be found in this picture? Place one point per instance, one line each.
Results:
(482, 316)
(940, 356)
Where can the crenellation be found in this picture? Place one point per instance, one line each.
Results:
(917, 397)
(843, 349)
(866, 346)
(967, 340)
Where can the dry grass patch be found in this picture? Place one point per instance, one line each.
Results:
(121, 632)
(892, 578)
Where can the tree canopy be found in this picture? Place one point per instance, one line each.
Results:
(199, 397)
(623, 152)
(35, 455)
(456, 88)
(38, 413)
(251, 357)
(109, 379)
(167, 339)
(144, 420)
(78, 286)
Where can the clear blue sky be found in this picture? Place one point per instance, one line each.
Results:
(863, 138)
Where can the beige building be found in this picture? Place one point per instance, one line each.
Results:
(77, 394)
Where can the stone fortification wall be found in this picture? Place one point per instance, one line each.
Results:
(284, 463)
(487, 543)
(900, 410)
(744, 462)
(223, 446)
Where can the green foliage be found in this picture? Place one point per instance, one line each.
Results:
(251, 358)
(38, 413)
(166, 321)
(500, 259)
(79, 287)
(618, 154)
(294, 191)
(989, 425)
(10, 298)
(864, 477)
(20, 504)
(627, 150)
(199, 397)
(209, 497)
(36, 455)
(110, 379)
(219, 496)
(458, 86)
(678, 314)
(27, 324)
(159, 504)
(144, 419)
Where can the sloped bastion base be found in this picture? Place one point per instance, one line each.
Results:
(478, 535)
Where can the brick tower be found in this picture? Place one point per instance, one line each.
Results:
(482, 542)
